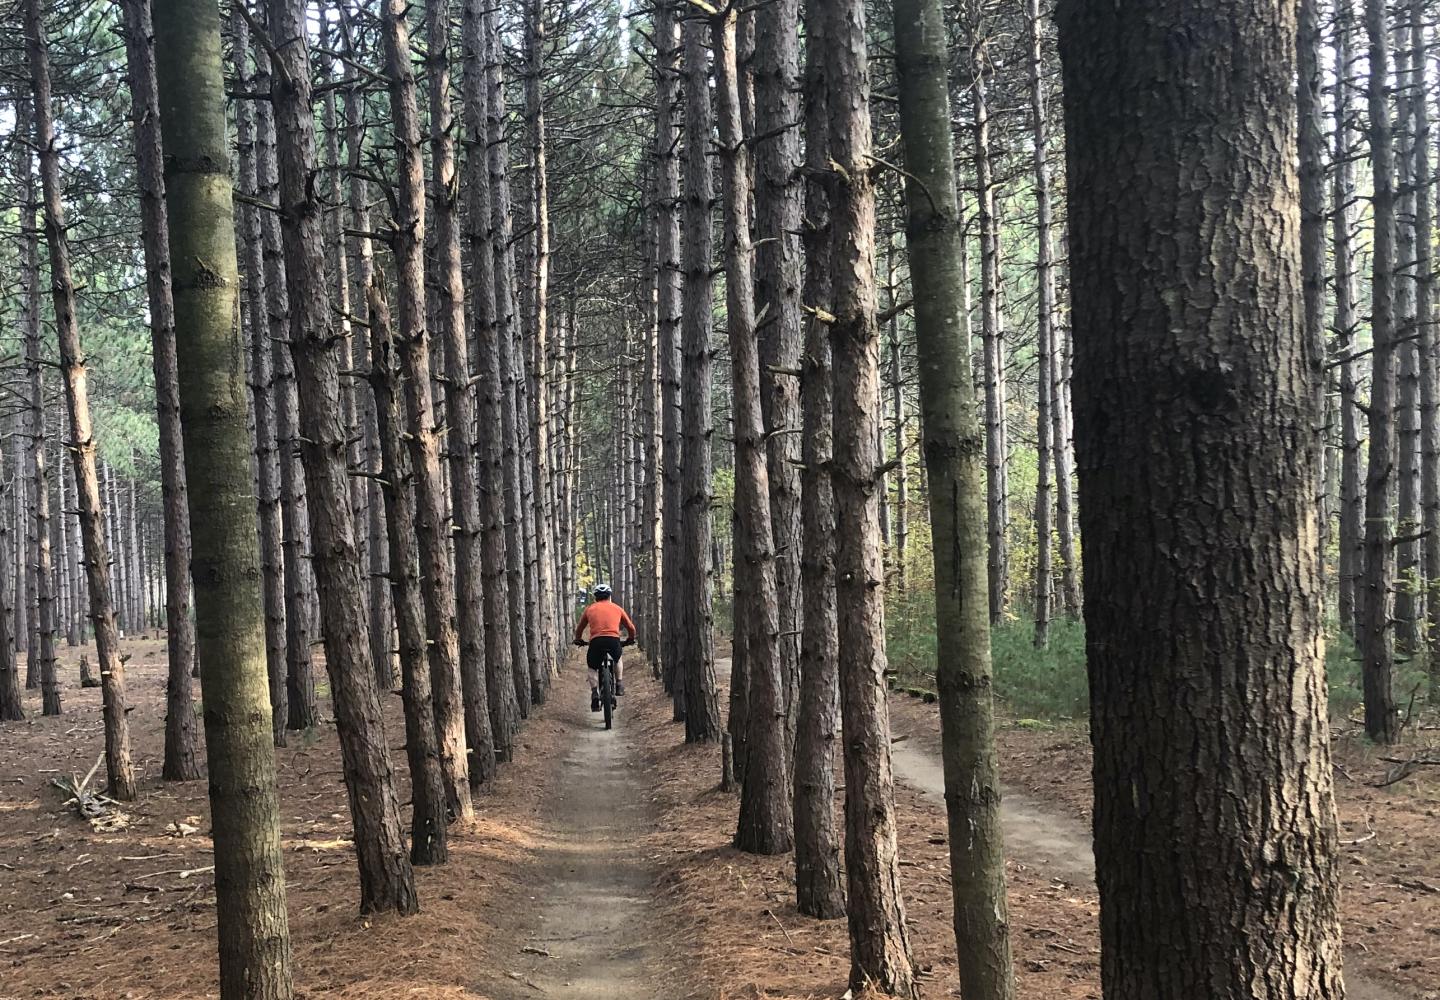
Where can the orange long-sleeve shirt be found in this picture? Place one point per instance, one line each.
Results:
(604, 619)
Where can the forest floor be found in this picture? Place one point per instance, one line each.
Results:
(601, 867)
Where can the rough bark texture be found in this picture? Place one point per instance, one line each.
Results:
(253, 927)
(428, 820)
(262, 395)
(181, 763)
(12, 706)
(992, 319)
(387, 881)
(697, 646)
(432, 525)
(765, 823)
(539, 321)
(120, 771)
(879, 943)
(1215, 831)
(954, 451)
(1347, 320)
(499, 649)
(301, 709)
(1377, 639)
(818, 888)
(362, 273)
(522, 639)
(668, 297)
(778, 279)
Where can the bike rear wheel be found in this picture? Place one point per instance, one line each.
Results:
(607, 693)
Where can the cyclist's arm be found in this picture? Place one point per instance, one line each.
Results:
(580, 625)
(629, 626)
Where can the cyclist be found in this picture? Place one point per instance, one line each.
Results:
(604, 618)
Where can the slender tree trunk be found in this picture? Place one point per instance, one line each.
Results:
(818, 889)
(120, 771)
(387, 881)
(437, 578)
(427, 781)
(69, 570)
(459, 408)
(1044, 329)
(522, 640)
(41, 653)
(992, 323)
(535, 40)
(668, 314)
(954, 444)
(1409, 589)
(765, 824)
(1347, 320)
(362, 270)
(499, 648)
(1377, 639)
(879, 943)
(300, 703)
(12, 705)
(778, 274)
(181, 763)
(1193, 794)
(697, 649)
(261, 393)
(1429, 362)
(27, 418)
(229, 615)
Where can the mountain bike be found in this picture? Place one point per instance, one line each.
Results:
(607, 682)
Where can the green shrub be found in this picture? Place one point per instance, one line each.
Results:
(1051, 683)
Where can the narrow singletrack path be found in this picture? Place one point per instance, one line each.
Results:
(590, 934)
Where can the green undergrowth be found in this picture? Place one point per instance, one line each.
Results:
(1044, 687)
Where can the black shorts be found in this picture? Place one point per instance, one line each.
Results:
(599, 647)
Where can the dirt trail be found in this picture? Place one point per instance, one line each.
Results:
(1041, 836)
(591, 878)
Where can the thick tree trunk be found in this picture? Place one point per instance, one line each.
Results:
(954, 446)
(765, 823)
(300, 703)
(422, 747)
(432, 525)
(229, 614)
(1215, 830)
(1347, 320)
(120, 771)
(818, 889)
(387, 881)
(500, 651)
(181, 763)
(1377, 639)
(879, 943)
(697, 648)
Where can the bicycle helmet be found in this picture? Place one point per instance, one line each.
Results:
(602, 590)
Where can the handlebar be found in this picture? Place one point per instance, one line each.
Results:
(586, 642)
